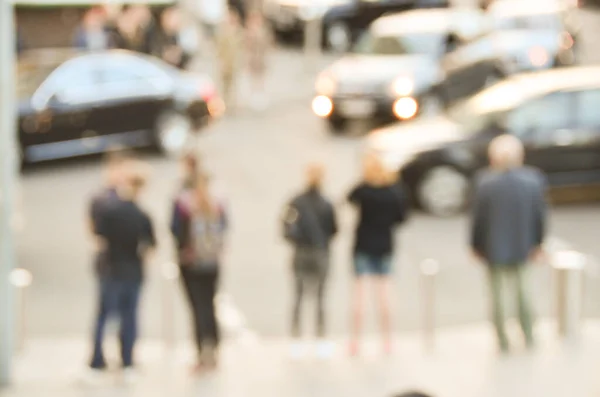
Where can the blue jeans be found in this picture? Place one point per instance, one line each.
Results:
(117, 297)
(371, 265)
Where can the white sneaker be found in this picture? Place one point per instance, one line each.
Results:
(297, 350)
(130, 376)
(92, 377)
(325, 350)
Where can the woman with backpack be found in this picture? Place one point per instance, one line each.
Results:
(199, 226)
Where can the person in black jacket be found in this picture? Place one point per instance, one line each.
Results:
(382, 204)
(310, 224)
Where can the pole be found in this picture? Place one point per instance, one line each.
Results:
(569, 270)
(8, 174)
(313, 32)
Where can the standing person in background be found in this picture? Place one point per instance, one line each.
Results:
(126, 236)
(92, 34)
(229, 52)
(167, 43)
(212, 14)
(382, 205)
(134, 29)
(310, 225)
(259, 42)
(508, 228)
(199, 225)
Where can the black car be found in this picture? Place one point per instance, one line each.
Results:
(344, 24)
(555, 113)
(480, 64)
(393, 67)
(72, 105)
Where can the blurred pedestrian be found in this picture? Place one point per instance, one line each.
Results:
(310, 225)
(413, 394)
(93, 34)
(167, 43)
(229, 52)
(212, 14)
(259, 42)
(117, 165)
(508, 228)
(126, 236)
(199, 225)
(134, 29)
(383, 205)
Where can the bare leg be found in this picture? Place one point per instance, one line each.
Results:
(357, 312)
(383, 300)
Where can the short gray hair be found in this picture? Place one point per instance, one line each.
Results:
(506, 151)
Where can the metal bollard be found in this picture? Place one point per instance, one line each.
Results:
(170, 273)
(429, 270)
(569, 269)
(21, 279)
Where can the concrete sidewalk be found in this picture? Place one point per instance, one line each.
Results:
(464, 364)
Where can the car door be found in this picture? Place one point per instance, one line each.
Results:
(131, 96)
(61, 117)
(552, 135)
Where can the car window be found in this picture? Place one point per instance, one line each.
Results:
(425, 43)
(541, 21)
(69, 83)
(539, 119)
(588, 105)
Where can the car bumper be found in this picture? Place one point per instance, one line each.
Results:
(371, 107)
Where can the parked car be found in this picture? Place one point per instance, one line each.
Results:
(481, 63)
(72, 105)
(553, 112)
(392, 67)
(344, 24)
(288, 17)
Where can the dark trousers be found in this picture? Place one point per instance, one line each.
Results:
(311, 266)
(201, 288)
(121, 298)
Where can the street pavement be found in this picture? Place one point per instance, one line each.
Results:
(257, 158)
(463, 363)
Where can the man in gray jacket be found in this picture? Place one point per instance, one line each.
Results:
(508, 227)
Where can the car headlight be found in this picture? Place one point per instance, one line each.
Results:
(325, 85)
(403, 86)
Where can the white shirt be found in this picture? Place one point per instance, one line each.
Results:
(212, 11)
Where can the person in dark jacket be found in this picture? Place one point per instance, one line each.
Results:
(199, 225)
(310, 225)
(134, 29)
(508, 227)
(382, 204)
(167, 43)
(126, 237)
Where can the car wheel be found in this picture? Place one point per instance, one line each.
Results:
(337, 124)
(173, 133)
(443, 191)
(339, 37)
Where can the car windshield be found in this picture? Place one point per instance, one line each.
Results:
(421, 43)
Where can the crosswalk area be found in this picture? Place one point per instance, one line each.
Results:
(463, 362)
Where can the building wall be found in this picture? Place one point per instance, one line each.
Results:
(47, 27)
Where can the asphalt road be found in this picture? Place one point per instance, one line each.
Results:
(258, 159)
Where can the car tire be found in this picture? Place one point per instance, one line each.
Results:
(337, 124)
(443, 191)
(173, 133)
(338, 37)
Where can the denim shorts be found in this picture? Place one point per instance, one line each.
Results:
(371, 265)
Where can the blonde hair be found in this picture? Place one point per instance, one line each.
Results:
(375, 172)
(506, 152)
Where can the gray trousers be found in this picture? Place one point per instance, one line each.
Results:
(311, 266)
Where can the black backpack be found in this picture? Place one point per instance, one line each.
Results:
(301, 225)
